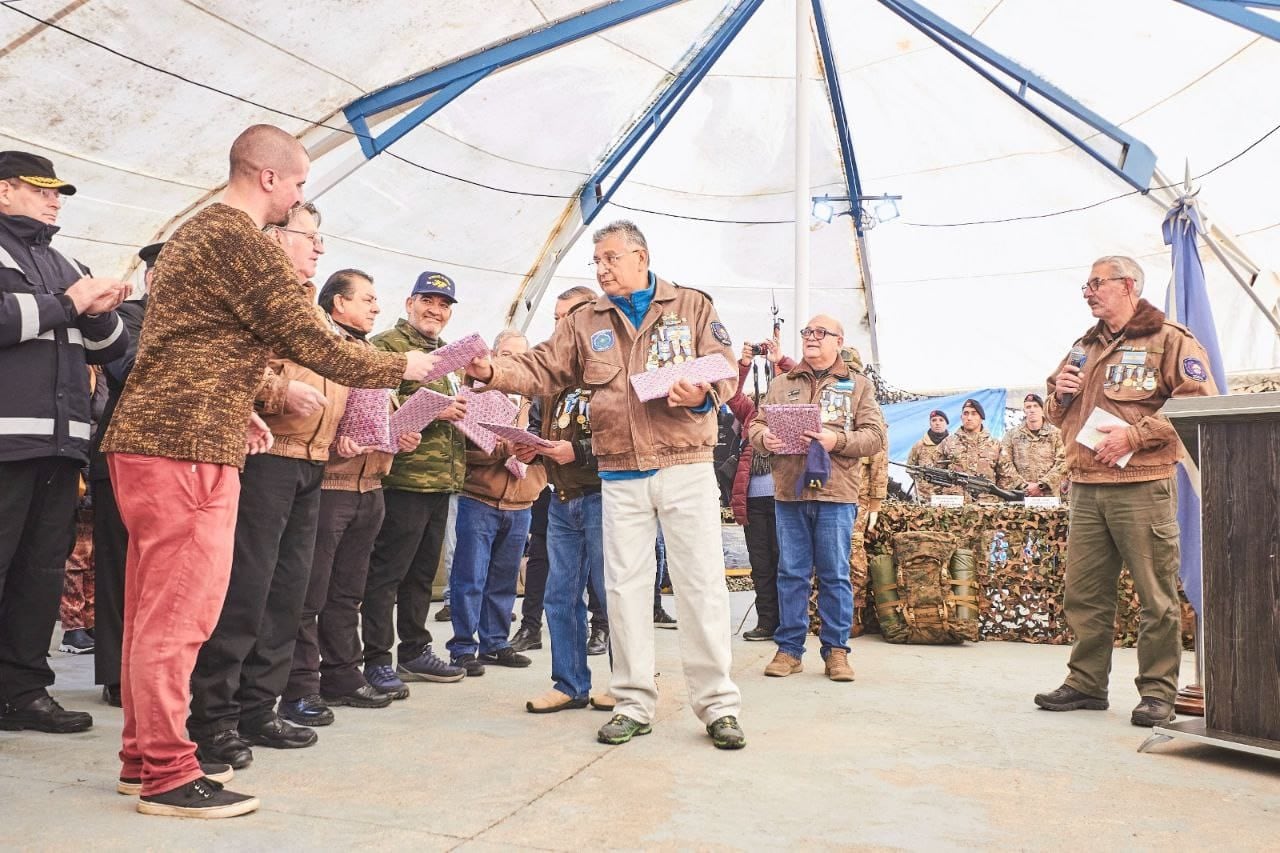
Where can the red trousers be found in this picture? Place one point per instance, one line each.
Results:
(181, 519)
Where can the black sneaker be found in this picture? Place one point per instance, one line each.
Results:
(758, 634)
(1067, 698)
(362, 697)
(1152, 712)
(526, 639)
(77, 641)
(202, 798)
(663, 619)
(308, 711)
(220, 773)
(505, 656)
(468, 662)
(44, 714)
(443, 614)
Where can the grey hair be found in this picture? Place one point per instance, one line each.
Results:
(577, 290)
(1125, 266)
(504, 335)
(628, 230)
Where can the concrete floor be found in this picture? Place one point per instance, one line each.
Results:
(931, 748)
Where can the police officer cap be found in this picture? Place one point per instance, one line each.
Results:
(976, 406)
(34, 170)
(149, 253)
(437, 283)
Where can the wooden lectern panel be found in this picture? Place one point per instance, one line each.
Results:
(1240, 469)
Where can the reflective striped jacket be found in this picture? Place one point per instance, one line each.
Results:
(44, 346)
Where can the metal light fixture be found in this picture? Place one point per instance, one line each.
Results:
(825, 208)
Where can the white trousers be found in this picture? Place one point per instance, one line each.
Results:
(686, 499)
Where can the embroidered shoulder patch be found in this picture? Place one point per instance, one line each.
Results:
(602, 340)
(721, 333)
(1194, 369)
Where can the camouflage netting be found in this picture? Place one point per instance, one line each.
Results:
(1021, 558)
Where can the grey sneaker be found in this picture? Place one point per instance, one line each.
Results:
(1067, 698)
(621, 729)
(383, 678)
(726, 733)
(427, 667)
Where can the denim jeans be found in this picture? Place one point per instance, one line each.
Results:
(482, 583)
(575, 545)
(814, 536)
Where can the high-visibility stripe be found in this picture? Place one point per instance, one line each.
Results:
(78, 429)
(73, 336)
(29, 316)
(41, 426)
(89, 343)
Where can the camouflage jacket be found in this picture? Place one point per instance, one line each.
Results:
(440, 462)
(973, 453)
(873, 473)
(924, 452)
(1035, 457)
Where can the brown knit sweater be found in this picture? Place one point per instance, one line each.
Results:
(224, 297)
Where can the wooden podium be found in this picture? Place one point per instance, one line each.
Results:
(1235, 442)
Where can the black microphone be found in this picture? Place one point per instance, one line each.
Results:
(1076, 358)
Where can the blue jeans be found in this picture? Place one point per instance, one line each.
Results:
(814, 536)
(482, 582)
(575, 547)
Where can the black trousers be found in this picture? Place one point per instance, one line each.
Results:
(244, 665)
(326, 656)
(110, 547)
(762, 549)
(402, 570)
(37, 532)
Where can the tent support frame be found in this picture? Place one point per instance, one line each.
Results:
(1240, 13)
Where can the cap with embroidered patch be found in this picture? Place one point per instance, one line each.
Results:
(34, 170)
(437, 283)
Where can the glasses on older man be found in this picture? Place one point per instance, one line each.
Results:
(316, 238)
(610, 259)
(1092, 285)
(817, 333)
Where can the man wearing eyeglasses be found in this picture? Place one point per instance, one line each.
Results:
(244, 665)
(815, 520)
(1123, 498)
(654, 461)
(54, 319)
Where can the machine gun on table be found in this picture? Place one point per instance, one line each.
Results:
(971, 483)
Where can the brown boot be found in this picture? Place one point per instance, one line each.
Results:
(783, 665)
(838, 668)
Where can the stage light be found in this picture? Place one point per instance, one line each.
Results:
(823, 210)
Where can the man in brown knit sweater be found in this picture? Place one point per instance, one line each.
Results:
(223, 298)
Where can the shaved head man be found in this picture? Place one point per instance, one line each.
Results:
(268, 169)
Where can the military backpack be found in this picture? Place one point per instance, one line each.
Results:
(925, 592)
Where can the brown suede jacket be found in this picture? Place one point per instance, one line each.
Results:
(489, 481)
(857, 423)
(598, 348)
(1131, 374)
(361, 473)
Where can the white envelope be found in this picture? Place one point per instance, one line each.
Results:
(1090, 436)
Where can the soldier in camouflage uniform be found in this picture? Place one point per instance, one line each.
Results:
(1036, 457)
(926, 451)
(972, 450)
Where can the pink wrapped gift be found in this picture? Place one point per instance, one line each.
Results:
(790, 421)
(457, 355)
(367, 418)
(482, 408)
(516, 467)
(656, 384)
(515, 435)
(423, 407)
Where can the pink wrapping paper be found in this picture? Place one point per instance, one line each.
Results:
(790, 421)
(366, 420)
(486, 407)
(516, 467)
(423, 407)
(656, 384)
(457, 355)
(515, 435)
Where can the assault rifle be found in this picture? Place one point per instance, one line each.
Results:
(971, 483)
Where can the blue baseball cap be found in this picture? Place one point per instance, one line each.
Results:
(437, 283)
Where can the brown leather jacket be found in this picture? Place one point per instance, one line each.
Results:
(598, 348)
(489, 481)
(1131, 375)
(559, 422)
(299, 436)
(361, 473)
(857, 422)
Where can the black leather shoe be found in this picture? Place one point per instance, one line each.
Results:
(598, 643)
(276, 733)
(225, 747)
(365, 697)
(527, 638)
(307, 711)
(111, 695)
(1152, 712)
(44, 715)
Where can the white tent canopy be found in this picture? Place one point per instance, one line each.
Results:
(137, 103)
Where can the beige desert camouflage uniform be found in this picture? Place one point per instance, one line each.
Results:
(973, 453)
(1034, 457)
(924, 452)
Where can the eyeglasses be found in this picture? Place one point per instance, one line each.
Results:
(314, 236)
(610, 259)
(817, 333)
(1092, 285)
